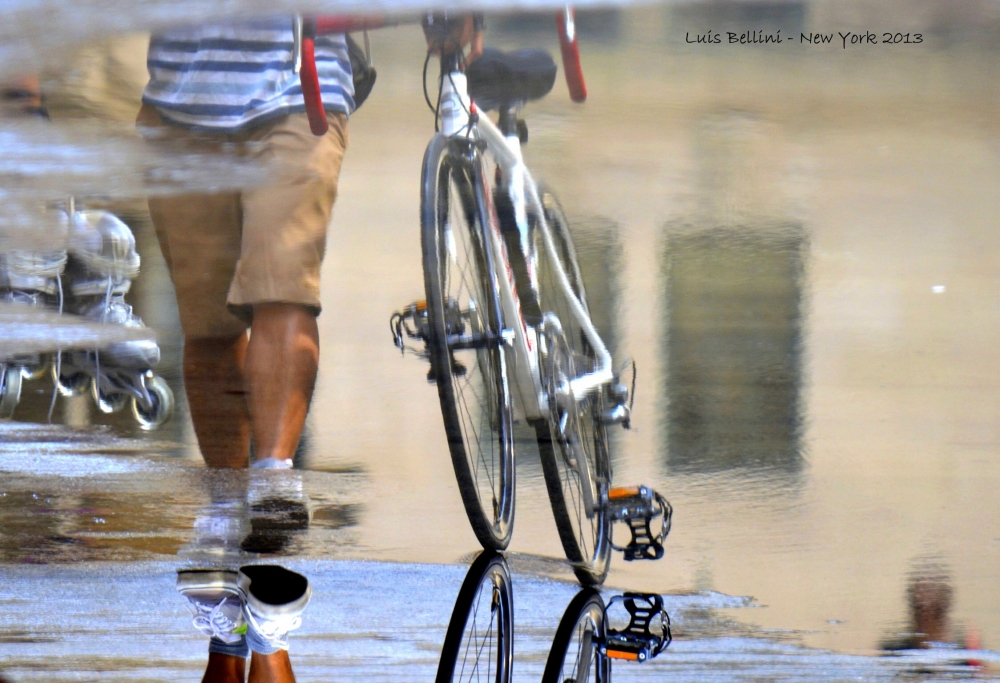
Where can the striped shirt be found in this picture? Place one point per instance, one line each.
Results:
(223, 77)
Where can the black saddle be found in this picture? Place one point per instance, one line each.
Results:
(503, 78)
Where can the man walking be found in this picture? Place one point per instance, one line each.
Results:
(250, 259)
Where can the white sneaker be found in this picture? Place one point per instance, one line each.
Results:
(218, 530)
(215, 603)
(278, 510)
(274, 599)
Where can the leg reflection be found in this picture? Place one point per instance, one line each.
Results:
(213, 379)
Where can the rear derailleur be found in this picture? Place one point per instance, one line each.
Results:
(620, 398)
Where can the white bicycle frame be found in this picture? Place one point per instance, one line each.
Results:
(455, 110)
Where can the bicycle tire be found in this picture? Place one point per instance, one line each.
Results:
(483, 459)
(462, 639)
(585, 609)
(586, 542)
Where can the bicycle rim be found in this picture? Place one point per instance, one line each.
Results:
(478, 645)
(585, 539)
(575, 654)
(462, 299)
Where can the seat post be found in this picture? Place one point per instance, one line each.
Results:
(508, 120)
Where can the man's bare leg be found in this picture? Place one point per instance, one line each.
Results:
(276, 668)
(281, 364)
(224, 669)
(216, 392)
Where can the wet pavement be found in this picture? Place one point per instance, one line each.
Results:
(797, 248)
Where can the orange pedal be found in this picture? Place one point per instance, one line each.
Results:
(622, 654)
(623, 492)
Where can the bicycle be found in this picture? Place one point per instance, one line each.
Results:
(479, 642)
(586, 643)
(505, 313)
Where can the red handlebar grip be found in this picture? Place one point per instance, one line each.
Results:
(571, 55)
(310, 88)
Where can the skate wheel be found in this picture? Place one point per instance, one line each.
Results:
(69, 382)
(107, 403)
(10, 390)
(35, 371)
(162, 404)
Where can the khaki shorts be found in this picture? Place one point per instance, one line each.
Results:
(227, 252)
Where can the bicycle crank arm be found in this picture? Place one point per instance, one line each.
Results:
(639, 507)
(479, 340)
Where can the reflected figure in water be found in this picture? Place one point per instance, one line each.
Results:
(247, 260)
(929, 599)
(248, 613)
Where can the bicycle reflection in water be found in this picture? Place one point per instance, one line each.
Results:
(478, 644)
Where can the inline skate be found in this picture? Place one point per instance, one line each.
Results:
(32, 279)
(102, 262)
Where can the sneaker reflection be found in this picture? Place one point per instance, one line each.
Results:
(246, 610)
(246, 613)
(478, 644)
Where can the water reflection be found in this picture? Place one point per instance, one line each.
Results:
(929, 598)
(887, 148)
(734, 349)
(479, 642)
(247, 613)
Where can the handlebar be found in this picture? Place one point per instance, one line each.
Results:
(566, 23)
(313, 27)
(310, 80)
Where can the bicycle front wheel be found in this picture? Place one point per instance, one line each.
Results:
(465, 321)
(479, 644)
(576, 649)
(574, 438)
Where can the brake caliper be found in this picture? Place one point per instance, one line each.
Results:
(639, 507)
(637, 642)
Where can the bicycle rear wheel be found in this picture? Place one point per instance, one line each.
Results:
(574, 436)
(576, 649)
(465, 320)
(478, 645)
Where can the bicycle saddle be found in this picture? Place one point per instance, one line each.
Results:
(503, 78)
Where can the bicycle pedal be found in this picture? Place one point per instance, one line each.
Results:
(637, 642)
(638, 507)
(409, 323)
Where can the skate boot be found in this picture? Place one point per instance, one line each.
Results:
(102, 263)
(32, 279)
